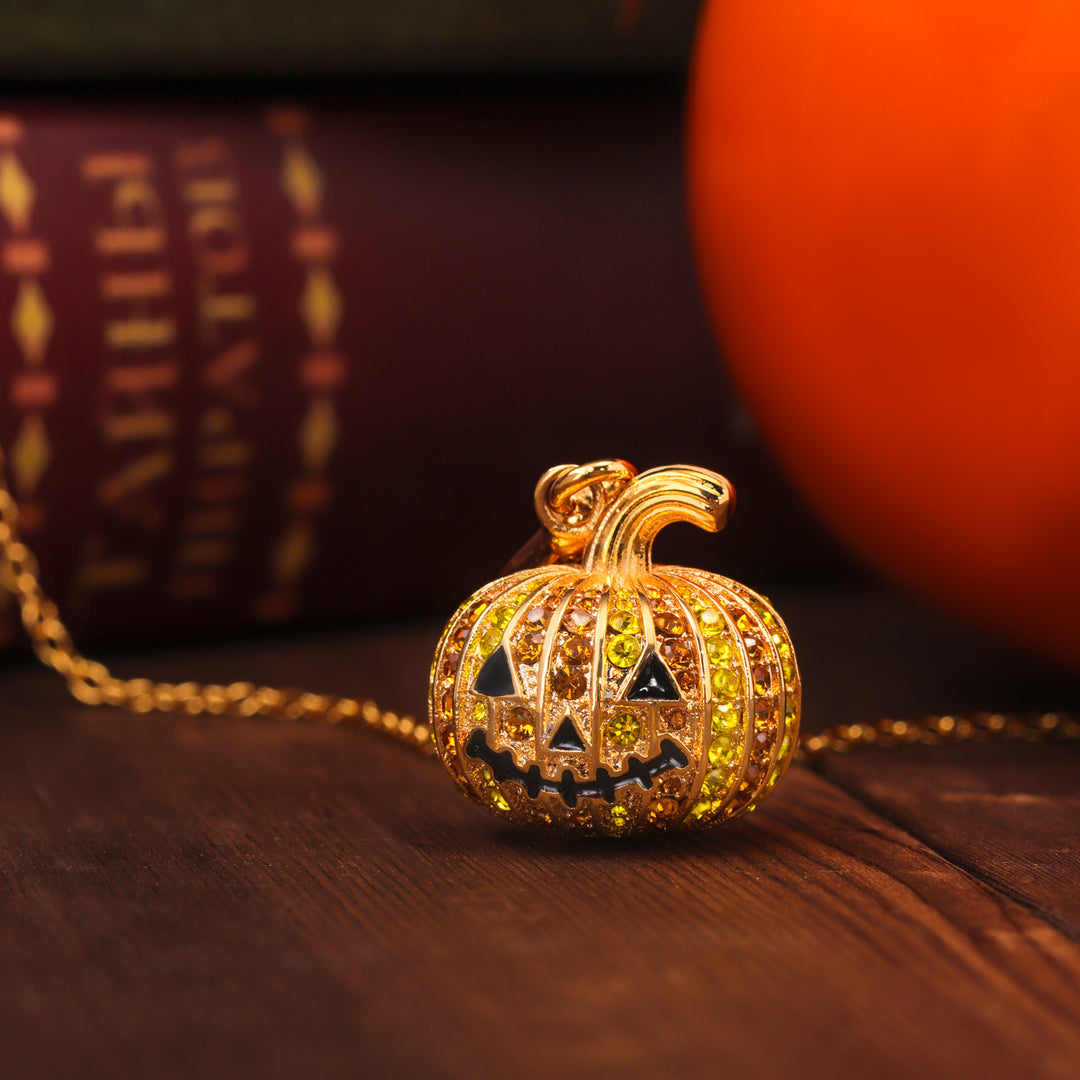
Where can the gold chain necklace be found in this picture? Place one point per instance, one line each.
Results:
(587, 689)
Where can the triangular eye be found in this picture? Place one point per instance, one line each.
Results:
(496, 679)
(653, 682)
(566, 737)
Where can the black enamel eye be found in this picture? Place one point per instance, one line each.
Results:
(496, 679)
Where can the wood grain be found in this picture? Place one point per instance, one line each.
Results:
(1009, 814)
(200, 898)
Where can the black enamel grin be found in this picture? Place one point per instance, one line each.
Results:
(502, 767)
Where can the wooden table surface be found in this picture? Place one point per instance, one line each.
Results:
(201, 898)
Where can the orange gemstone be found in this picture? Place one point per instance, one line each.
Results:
(528, 647)
(576, 650)
(568, 682)
(448, 702)
(762, 680)
(675, 719)
(578, 620)
(687, 680)
(669, 624)
(519, 723)
(663, 809)
(676, 652)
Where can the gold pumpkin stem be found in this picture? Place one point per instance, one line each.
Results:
(624, 537)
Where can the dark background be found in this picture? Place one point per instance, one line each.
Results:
(188, 897)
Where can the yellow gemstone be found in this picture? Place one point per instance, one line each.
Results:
(619, 817)
(480, 710)
(624, 622)
(722, 752)
(785, 748)
(789, 712)
(787, 662)
(711, 622)
(720, 651)
(690, 597)
(744, 622)
(726, 720)
(726, 683)
(623, 729)
(700, 808)
(714, 783)
(623, 651)
(497, 798)
(490, 641)
(502, 616)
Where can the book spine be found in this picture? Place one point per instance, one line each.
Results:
(260, 364)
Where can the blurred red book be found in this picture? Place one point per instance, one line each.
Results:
(271, 363)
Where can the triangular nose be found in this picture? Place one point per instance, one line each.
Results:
(653, 682)
(566, 737)
(495, 678)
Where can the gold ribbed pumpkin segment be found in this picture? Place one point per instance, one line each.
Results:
(622, 542)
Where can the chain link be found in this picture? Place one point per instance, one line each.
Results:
(93, 684)
(938, 730)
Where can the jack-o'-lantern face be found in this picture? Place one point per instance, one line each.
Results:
(613, 697)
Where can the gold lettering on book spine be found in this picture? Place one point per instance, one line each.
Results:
(320, 369)
(136, 413)
(32, 385)
(230, 351)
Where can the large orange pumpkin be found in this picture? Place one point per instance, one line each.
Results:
(886, 201)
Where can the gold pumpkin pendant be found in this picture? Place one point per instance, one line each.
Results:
(603, 695)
